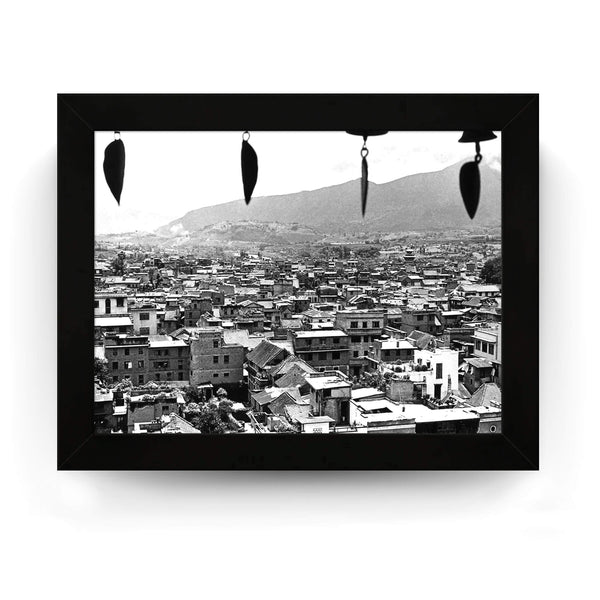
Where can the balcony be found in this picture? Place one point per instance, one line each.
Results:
(323, 348)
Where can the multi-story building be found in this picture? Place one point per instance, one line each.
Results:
(259, 363)
(144, 359)
(194, 309)
(144, 318)
(393, 350)
(363, 328)
(110, 303)
(330, 394)
(424, 318)
(214, 361)
(488, 345)
(323, 349)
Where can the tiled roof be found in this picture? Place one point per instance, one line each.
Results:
(288, 365)
(178, 425)
(294, 412)
(264, 353)
(479, 363)
(420, 339)
(294, 378)
(488, 394)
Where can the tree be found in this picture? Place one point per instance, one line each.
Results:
(193, 394)
(491, 271)
(208, 419)
(118, 264)
(101, 369)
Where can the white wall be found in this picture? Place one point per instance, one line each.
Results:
(93, 534)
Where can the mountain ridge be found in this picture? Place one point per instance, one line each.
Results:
(416, 202)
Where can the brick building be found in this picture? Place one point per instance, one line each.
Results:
(214, 361)
(363, 328)
(142, 358)
(323, 349)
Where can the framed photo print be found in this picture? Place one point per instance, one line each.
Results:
(237, 272)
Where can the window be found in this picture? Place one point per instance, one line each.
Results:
(144, 330)
(169, 375)
(375, 324)
(355, 338)
(491, 348)
(439, 370)
(365, 338)
(115, 365)
(365, 324)
(225, 374)
(179, 351)
(215, 343)
(115, 378)
(107, 306)
(144, 316)
(366, 352)
(386, 353)
(309, 356)
(335, 355)
(215, 360)
(180, 376)
(126, 351)
(477, 344)
(140, 379)
(353, 324)
(215, 374)
(336, 340)
(308, 342)
(355, 353)
(161, 364)
(484, 347)
(114, 352)
(127, 364)
(120, 301)
(140, 351)
(157, 377)
(140, 364)
(96, 304)
(322, 341)
(419, 317)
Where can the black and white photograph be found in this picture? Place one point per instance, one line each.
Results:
(269, 282)
(227, 225)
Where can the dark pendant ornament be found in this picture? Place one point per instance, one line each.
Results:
(249, 167)
(364, 152)
(114, 166)
(469, 178)
(470, 186)
(364, 182)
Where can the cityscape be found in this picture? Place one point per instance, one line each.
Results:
(234, 320)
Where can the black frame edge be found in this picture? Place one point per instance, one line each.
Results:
(79, 115)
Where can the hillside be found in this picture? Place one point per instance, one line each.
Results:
(424, 201)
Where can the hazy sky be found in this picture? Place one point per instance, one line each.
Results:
(170, 173)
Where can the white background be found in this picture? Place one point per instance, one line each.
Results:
(293, 535)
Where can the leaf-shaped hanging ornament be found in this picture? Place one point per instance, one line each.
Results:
(364, 185)
(249, 169)
(470, 186)
(114, 167)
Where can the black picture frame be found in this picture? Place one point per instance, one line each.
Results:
(515, 115)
